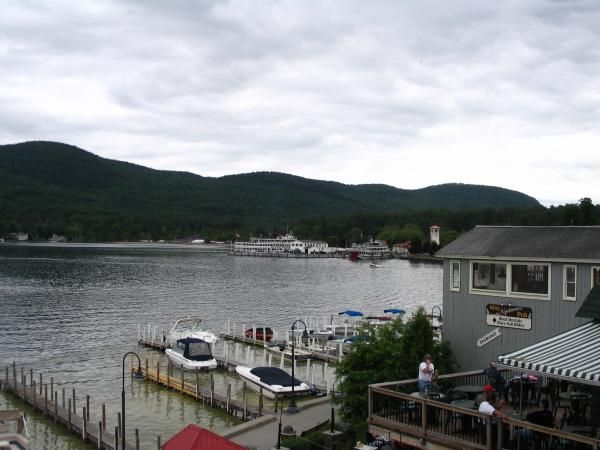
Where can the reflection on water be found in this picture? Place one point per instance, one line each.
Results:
(72, 313)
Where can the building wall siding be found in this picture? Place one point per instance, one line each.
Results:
(465, 316)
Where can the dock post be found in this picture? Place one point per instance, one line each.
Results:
(264, 363)
(52, 387)
(168, 373)
(63, 398)
(84, 428)
(307, 369)
(243, 333)
(69, 417)
(137, 439)
(146, 363)
(116, 446)
(6, 378)
(270, 358)
(30, 376)
(182, 380)
(15, 373)
(87, 404)
(100, 435)
(254, 333)
(312, 376)
(340, 352)
(46, 399)
(228, 326)
(228, 400)
(120, 424)
(41, 384)
(158, 446)
(244, 401)
(281, 363)
(74, 407)
(197, 384)
(23, 380)
(212, 389)
(225, 351)
(158, 370)
(140, 332)
(260, 402)
(56, 406)
(103, 416)
(34, 389)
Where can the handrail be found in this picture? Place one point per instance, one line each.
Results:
(449, 376)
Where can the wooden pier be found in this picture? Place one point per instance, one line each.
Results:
(43, 397)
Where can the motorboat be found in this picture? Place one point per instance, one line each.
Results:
(283, 350)
(262, 333)
(389, 315)
(192, 354)
(190, 327)
(275, 382)
(13, 431)
(375, 265)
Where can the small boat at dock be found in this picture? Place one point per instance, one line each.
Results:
(273, 381)
(283, 350)
(192, 354)
(13, 431)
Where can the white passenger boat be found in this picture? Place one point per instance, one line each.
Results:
(282, 349)
(190, 327)
(192, 354)
(273, 381)
(13, 431)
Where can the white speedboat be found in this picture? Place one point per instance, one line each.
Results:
(13, 431)
(283, 350)
(375, 266)
(192, 354)
(274, 381)
(190, 327)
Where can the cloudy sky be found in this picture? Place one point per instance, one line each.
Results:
(407, 93)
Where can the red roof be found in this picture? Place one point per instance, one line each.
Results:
(435, 226)
(194, 437)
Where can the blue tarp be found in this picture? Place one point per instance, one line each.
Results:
(394, 311)
(351, 313)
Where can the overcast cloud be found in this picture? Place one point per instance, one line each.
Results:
(407, 93)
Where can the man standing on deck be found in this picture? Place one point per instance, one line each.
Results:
(426, 370)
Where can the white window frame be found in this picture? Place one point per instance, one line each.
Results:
(592, 275)
(451, 285)
(565, 296)
(508, 292)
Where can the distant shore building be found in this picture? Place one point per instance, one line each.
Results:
(280, 244)
(21, 237)
(401, 249)
(434, 234)
(509, 287)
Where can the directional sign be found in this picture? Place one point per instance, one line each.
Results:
(508, 316)
(484, 340)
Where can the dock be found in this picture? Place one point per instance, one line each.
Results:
(43, 397)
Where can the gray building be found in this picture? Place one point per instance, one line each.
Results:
(507, 287)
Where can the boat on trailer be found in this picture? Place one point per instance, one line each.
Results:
(192, 354)
(275, 382)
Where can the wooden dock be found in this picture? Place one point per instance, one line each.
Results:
(45, 399)
(174, 378)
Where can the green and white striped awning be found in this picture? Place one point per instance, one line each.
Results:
(573, 355)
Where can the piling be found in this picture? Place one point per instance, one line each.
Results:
(103, 416)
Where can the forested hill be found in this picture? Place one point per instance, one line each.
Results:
(46, 186)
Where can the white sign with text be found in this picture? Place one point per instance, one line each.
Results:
(484, 340)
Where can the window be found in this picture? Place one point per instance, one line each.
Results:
(569, 282)
(491, 277)
(529, 278)
(595, 276)
(455, 276)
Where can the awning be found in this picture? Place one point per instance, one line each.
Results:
(573, 355)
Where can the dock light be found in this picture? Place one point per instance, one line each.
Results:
(137, 375)
(293, 408)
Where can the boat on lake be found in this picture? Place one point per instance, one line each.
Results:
(275, 382)
(13, 430)
(284, 350)
(192, 354)
(190, 327)
(372, 250)
(375, 266)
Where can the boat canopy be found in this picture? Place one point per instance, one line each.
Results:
(274, 376)
(195, 349)
(394, 311)
(351, 313)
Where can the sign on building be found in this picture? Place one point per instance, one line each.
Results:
(484, 340)
(508, 316)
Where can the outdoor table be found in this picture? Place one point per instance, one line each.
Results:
(468, 404)
(567, 395)
(469, 389)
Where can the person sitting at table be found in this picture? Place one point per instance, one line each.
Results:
(426, 370)
(496, 380)
(488, 390)
(542, 417)
(488, 406)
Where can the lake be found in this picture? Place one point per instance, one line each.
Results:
(72, 312)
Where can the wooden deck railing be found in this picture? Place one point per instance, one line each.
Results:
(391, 407)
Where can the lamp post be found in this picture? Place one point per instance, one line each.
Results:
(137, 375)
(293, 408)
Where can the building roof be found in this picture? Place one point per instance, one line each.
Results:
(590, 308)
(573, 355)
(572, 243)
(194, 437)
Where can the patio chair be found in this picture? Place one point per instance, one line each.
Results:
(579, 406)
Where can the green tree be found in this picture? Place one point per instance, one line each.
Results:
(388, 353)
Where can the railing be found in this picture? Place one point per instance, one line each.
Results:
(391, 407)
